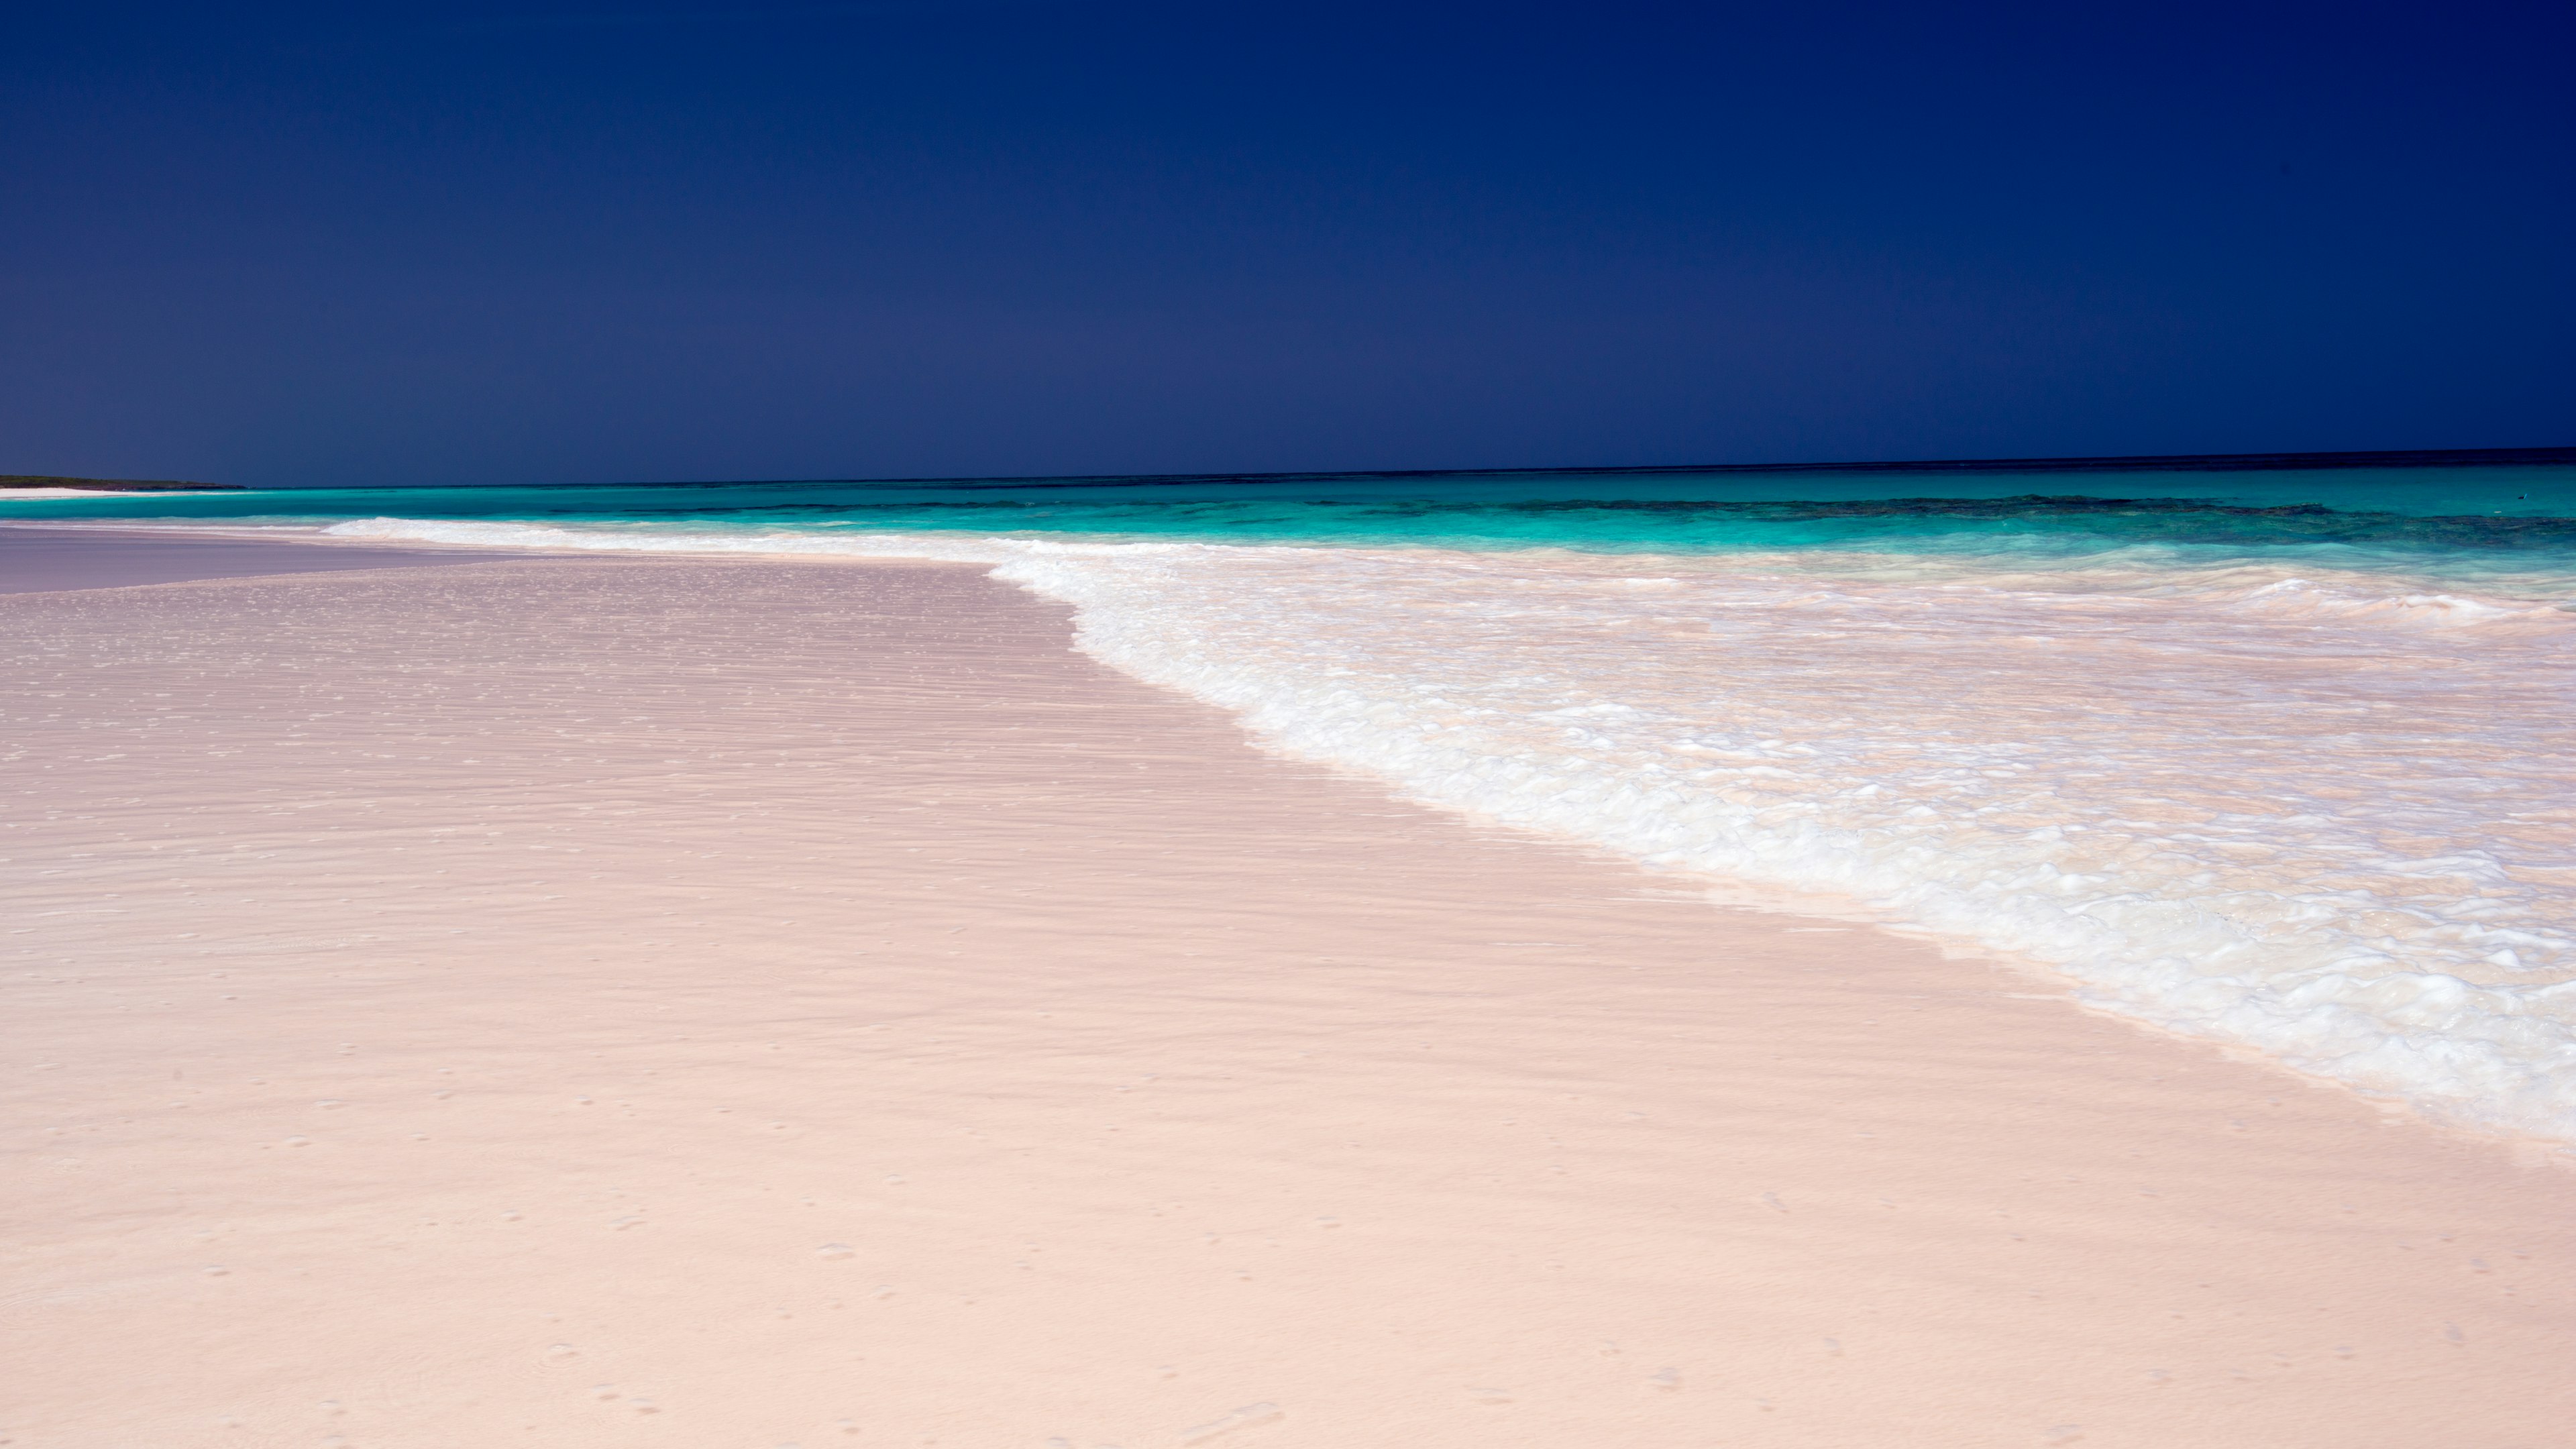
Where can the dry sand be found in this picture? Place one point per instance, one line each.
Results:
(757, 1004)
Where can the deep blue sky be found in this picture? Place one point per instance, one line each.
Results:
(526, 243)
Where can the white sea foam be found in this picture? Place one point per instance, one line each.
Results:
(2329, 816)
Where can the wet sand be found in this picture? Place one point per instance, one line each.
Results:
(767, 1003)
(43, 560)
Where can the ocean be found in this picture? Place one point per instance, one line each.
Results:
(2265, 752)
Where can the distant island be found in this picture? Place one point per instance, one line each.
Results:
(118, 485)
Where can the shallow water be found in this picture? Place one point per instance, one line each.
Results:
(2276, 758)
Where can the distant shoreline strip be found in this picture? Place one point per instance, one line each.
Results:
(115, 485)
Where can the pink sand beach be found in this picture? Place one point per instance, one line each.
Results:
(756, 1003)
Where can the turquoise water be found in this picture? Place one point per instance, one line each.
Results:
(2517, 520)
(2278, 757)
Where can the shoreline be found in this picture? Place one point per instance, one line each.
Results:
(198, 555)
(7, 493)
(38, 559)
(755, 995)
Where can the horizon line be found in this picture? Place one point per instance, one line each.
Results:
(2114, 463)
